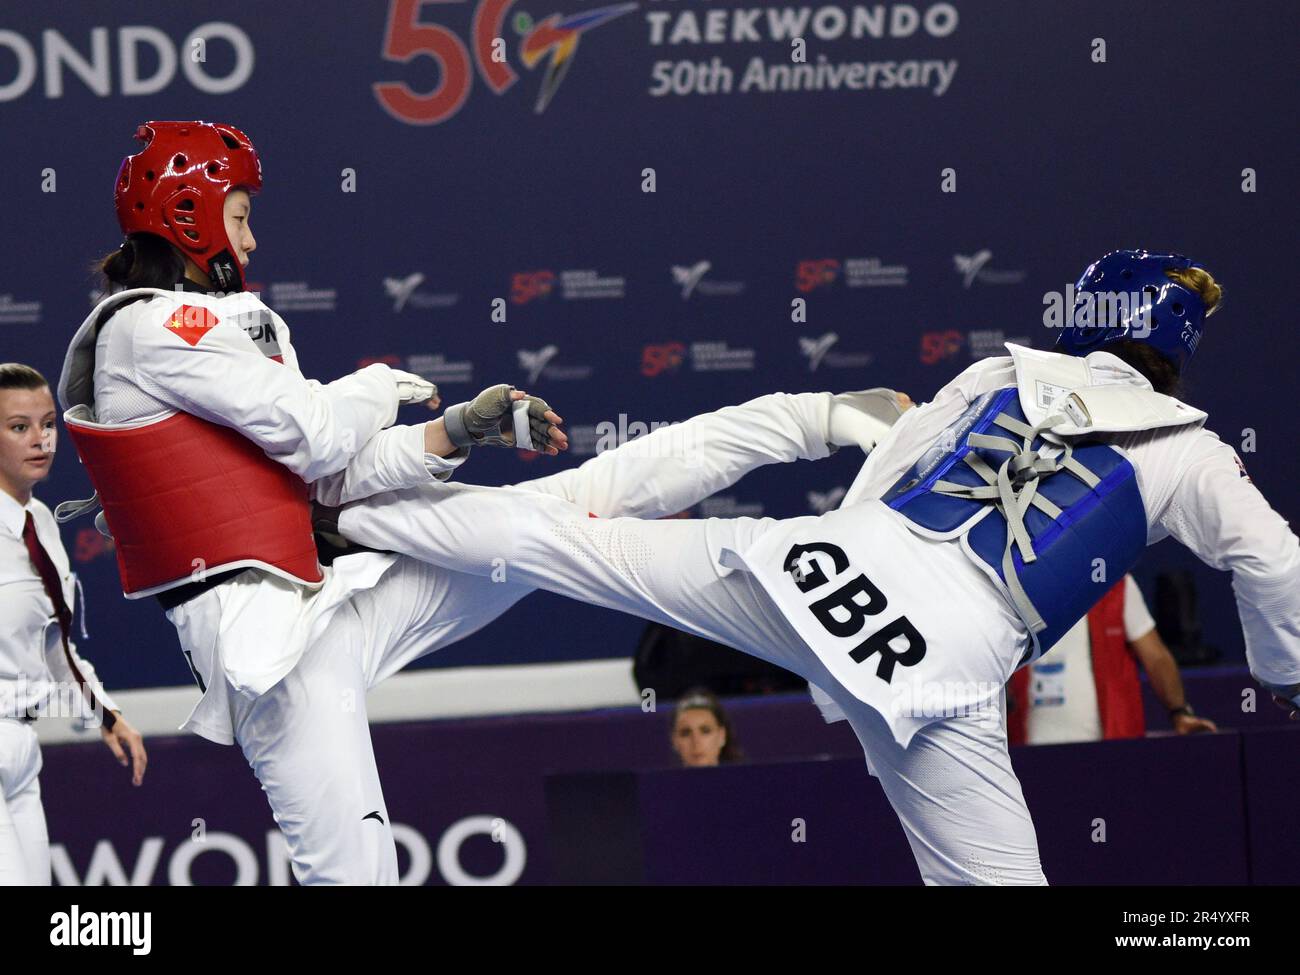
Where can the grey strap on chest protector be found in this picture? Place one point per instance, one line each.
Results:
(1013, 488)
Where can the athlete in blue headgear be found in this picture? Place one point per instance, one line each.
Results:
(1150, 307)
(980, 529)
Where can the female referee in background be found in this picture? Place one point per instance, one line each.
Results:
(40, 669)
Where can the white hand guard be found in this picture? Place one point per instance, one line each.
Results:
(412, 388)
(862, 418)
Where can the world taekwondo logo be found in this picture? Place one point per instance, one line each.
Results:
(692, 281)
(816, 349)
(539, 365)
(689, 277)
(558, 36)
(968, 267)
(534, 362)
(404, 292)
(974, 268)
(399, 289)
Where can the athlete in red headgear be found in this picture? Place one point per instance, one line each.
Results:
(188, 181)
(206, 443)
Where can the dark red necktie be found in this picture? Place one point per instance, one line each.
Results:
(54, 589)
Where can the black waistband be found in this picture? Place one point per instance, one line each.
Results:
(328, 548)
(171, 598)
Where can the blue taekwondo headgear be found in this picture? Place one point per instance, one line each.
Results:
(1165, 315)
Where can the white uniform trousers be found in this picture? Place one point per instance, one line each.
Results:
(953, 787)
(307, 738)
(24, 842)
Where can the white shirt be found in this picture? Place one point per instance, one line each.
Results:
(1062, 693)
(31, 643)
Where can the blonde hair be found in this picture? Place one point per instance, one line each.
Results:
(1202, 283)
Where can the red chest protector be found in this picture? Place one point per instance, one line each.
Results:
(184, 497)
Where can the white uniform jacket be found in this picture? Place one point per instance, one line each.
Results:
(1193, 486)
(237, 367)
(33, 665)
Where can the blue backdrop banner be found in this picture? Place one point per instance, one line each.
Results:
(678, 204)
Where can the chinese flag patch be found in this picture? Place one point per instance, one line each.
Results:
(191, 322)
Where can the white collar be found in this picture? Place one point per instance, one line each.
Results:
(12, 514)
(1109, 369)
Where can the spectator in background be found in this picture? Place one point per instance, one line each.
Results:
(38, 660)
(1087, 687)
(701, 733)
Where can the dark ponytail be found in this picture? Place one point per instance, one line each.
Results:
(143, 261)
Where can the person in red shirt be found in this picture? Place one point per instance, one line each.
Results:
(1087, 688)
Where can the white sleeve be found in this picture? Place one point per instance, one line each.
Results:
(1221, 516)
(917, 429)
(57, 661)
(1137, 618)
(391, 460)
(674, 467)
(312, 429)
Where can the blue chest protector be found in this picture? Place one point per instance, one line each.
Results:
(1059, 532)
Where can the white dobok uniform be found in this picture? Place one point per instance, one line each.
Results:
(285, 668)
(945, 769)
(35, 678)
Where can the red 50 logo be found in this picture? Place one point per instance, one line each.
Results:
(658, 358)
(939, 345)
(813, 274)
(406, 38)
(527, 285)
(91, 544)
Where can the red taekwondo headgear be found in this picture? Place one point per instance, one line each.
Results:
(176, 187)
